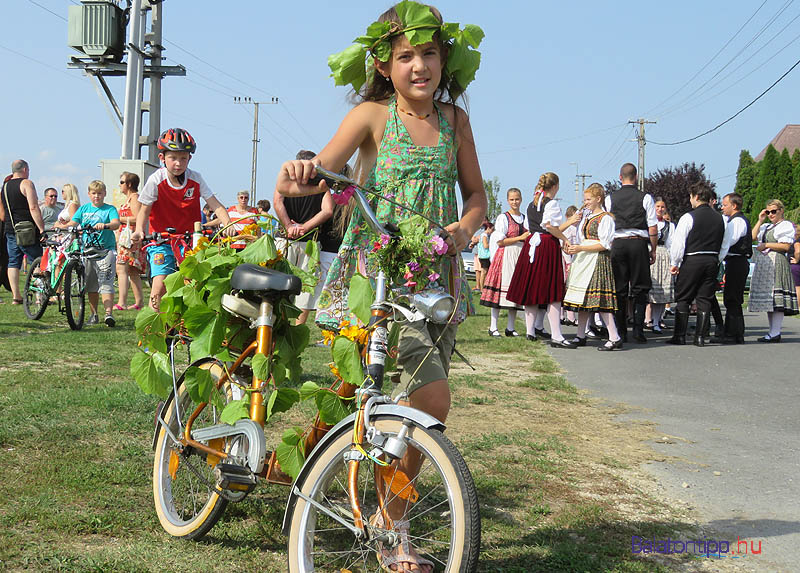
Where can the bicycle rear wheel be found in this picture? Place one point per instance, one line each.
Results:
(444, 521)
(37, 290)
(185, 502)
(75, 294)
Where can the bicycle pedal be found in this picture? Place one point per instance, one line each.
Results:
(235, 477)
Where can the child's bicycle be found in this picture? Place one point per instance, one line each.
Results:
(350, 501)
(60, 273)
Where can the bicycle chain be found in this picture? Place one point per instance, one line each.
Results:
(212, 486)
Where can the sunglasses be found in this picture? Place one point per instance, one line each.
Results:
(772, 211)
(52, 196)
(122, 183)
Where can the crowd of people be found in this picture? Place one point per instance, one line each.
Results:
(619, 261)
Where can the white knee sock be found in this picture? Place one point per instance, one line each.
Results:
(583, 321)
(613, 333)
(554, 318)
(775, 323)
(512, 318)
(657, 314)
(530, 320)
(494, 315)
(539, 318)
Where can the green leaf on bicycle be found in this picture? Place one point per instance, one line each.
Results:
(309, 279)
(236, 410)
(198, 383)
(312, 253)
(171, 307)
(297, 336)
(173, 282)
(308, 390)
(294, 371)
(348, 360)
(219, 259)
(207, 329)
(281, 399)
(191, 297)
(259, 251)
(151, 329)
(360, 297)
(291, 458)
(279, 372)
(216, 399)
(260, 365)
(152, 373)
(191, 268)
(332, 410)
(216, 288)
(291, 436)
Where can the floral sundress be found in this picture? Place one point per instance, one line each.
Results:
(420, 177)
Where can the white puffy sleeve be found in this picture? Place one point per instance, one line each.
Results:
(499, 233)
(784, 232)
(552, 214)
(605, 231)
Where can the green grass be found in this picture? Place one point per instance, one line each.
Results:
(75, 437)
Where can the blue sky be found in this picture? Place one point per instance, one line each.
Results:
(558, 83)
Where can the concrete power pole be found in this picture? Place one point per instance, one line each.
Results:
(247, 100)
(583, 177)
(640, 139)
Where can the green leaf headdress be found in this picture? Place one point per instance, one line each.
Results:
(419, 25)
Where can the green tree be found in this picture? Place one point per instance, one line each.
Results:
(746, 179)
(796, 157)
(796, 185)
(767, 186)
(785, 189)
(492, 187)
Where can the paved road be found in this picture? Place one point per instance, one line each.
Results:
(734, 410)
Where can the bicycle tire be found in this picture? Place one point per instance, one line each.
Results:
(187, 507)
(75, 294)
(445, 519)
(36, 294)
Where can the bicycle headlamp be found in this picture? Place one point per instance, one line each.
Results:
(437, 306)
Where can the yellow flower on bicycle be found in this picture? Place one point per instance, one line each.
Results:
(354, 333)
(327, 337)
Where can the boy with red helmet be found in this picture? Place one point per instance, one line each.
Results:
(171, 198)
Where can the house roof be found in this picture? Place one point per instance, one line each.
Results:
(787, 138)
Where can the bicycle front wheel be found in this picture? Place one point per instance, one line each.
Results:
(184, 485)
(37, 290)
(444, 522)
(75, 294)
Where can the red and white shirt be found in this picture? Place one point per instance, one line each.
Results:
(177, 207)
(240, 225)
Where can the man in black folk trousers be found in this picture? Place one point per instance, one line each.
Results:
(737, 266)
(696, 251)
(633, 250)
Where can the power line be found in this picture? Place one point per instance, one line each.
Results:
(220, 70)
(553, 142)
(786, 73)
(708, 63)
(729, 62)
(46, 9)
(41, 63)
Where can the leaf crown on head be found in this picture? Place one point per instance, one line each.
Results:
(419, 24)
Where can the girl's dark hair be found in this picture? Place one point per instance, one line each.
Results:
(378, 88)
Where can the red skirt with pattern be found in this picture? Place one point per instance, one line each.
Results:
(542, 281)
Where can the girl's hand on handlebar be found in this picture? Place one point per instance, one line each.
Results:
(136, 239)
(299, 171)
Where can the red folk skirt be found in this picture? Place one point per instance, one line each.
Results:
(542, 281)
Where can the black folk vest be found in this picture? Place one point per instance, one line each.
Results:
(627, 208)
(707, 232)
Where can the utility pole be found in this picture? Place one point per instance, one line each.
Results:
(247, 100)
(583, 177)
(641, 141)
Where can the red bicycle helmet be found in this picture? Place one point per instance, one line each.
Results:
(177, 139)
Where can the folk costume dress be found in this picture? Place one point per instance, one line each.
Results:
(421, 177)
(539, 276)
(590, 284)
(772, 286)
(663, 289)
(504, 261)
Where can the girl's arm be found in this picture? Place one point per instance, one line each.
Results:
(761, 218)
(361, 129)
(470, 181)
(134, 205)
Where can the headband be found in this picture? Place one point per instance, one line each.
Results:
(419, 25)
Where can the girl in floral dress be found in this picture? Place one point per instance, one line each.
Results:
(414, 143)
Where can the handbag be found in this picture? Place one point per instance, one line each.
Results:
(124, 239)
(25, 231)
